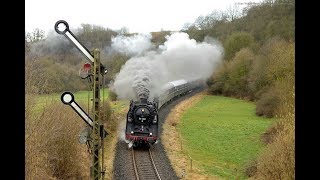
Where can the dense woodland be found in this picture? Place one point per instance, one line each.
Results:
(259, 65)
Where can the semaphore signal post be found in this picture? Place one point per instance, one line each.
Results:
(95, 133)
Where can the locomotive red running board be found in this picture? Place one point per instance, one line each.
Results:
(137, 138)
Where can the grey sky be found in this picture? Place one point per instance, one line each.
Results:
(137, 16)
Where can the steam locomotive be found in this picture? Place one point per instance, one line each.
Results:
(142, 117)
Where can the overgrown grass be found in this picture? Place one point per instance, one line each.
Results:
(112, 119)
(52, 149)
(52, 130)
(223, 135)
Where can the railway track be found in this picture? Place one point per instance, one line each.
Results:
(123, 164)
(144, 166)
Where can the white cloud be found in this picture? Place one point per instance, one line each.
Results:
(139, 16)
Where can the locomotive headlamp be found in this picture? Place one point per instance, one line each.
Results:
(150, 134)
(131, 132)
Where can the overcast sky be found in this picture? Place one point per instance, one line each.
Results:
(138, 16)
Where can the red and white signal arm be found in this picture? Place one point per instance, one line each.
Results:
(87, 66)
(85, 71)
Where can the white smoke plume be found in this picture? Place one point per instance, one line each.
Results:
(121, 129)
(132, 45)
(53, 45)
(178, 58)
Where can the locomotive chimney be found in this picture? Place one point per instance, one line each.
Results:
(143, 97)
(143, 100)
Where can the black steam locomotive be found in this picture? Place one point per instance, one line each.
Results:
(142, 117)
(142, 122)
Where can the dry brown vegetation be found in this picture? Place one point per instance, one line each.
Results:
(278, 160)
(111, 140)
(52, 149)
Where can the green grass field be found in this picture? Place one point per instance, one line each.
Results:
(81, 97)
(222, 135)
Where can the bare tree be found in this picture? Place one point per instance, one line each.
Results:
(186, 26)
(210, 20)
(36, 35)
(233, 12)
(123, 31)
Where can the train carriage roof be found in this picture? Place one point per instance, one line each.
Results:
(172, 84)
(178, 82)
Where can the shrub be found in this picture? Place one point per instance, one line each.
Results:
(278, 159)
(257, 82)
(218, 79)
(276, 77)
(216, 88)
(235, 42)
(268, 103)
(276, 62)
(238, 70)
(231, 77)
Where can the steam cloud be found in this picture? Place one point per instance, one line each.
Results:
(178, 58)
(53, 45)
(132, 45)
